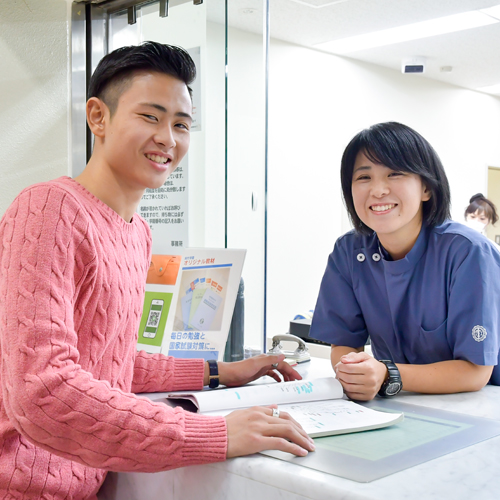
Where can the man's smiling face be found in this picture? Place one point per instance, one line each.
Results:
(149, 133)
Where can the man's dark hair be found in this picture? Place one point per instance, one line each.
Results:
(402, 149)
(115, 71)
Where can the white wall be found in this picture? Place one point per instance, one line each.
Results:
(34, 94)
(318, 102)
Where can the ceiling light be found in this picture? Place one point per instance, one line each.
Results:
(492, 11)
(491, 89)
(424, 29)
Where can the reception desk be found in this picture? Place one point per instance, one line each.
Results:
(469, 473)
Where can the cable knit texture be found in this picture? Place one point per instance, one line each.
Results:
(71, 296)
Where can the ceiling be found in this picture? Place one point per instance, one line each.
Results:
(473, 54)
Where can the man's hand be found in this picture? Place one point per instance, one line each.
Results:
(243, 372)
(255, 429)
(361, 375)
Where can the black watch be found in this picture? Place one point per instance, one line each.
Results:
(392, 384)
(213, 377)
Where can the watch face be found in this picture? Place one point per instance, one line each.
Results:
(393, 388)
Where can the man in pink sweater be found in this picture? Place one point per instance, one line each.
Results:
(74, 258)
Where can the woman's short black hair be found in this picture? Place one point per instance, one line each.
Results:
(115, 71)
(479, 203)
(402, 149)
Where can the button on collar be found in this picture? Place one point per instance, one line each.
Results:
(376, 257)
(360, 257)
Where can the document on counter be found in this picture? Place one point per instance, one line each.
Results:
(317, 404)
(425, 434)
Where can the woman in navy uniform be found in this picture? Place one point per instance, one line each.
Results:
(426, 290)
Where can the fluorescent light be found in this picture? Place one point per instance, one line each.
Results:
(492, 11)
(491, 89)
(424, 29)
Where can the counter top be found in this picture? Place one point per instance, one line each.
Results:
(471, 472)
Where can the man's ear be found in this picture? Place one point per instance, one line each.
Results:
(97, 116)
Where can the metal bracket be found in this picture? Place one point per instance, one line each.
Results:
(163, 8)
(132, 14)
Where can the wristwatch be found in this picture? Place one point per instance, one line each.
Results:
(392, 384)
(213, 378)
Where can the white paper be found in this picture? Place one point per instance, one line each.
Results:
(317, 405)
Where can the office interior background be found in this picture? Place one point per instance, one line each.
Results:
(292, 107)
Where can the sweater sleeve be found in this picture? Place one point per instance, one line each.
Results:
(48, 398)
(159, 373)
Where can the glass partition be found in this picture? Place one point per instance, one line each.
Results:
(319, 100)
(224, 171)
(246, 156)
(266, 178)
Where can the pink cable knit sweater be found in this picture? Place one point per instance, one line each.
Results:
(71, 296)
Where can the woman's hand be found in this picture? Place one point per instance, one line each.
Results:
(248, 370)
(256, 429)
(361, 375)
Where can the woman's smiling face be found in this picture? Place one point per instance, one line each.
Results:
(388, 202)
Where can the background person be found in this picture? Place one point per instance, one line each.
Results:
(480, 213)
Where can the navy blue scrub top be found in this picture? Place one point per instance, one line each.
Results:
(440, 302)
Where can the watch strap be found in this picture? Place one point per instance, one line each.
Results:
(393, 379)
(213, 376)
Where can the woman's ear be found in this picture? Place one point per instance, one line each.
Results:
(426, 192)
(97, 113)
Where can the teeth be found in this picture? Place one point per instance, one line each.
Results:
(157, 158)
(381, 208)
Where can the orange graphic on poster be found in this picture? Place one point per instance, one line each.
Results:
(163, 269)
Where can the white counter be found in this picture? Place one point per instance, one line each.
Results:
(467, 474)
